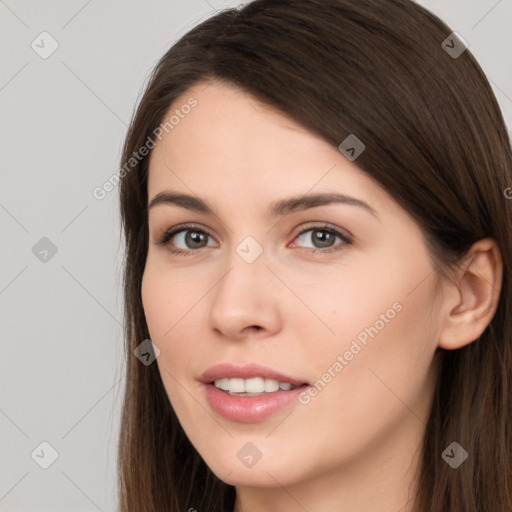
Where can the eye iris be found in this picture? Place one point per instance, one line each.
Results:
(198, 239)
(324, 238)
(192, 238)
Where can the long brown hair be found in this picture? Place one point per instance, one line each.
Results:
(435, 140)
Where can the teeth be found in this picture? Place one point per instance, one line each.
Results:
(252, 387)
(271, 385)
(222, 384)
(236, 385)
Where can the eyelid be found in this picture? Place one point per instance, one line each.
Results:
(322, 225)
(165, 237)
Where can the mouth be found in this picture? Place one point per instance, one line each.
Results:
(255, 386)
(252, 378)
(250, 407)
(249, 394)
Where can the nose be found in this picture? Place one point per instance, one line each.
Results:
(245, 302)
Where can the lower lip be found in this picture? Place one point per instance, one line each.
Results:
(249, 409)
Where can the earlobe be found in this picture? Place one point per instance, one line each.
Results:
(474, 296)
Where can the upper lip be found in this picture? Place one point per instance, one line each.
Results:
(230, 371)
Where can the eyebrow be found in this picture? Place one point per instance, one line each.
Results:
(277, 208)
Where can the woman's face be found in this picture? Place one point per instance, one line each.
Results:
(336, 297)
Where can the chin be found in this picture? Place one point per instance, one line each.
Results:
(262, 473)
(256, 478)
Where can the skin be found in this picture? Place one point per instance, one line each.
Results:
(358, 440)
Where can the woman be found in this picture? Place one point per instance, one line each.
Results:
(317, 246)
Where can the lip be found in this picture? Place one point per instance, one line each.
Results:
(248, 409)
(227, 370)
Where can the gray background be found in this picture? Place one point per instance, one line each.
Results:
(62, 124)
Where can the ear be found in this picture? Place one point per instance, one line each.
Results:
(470, 302)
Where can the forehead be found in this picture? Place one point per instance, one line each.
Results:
(230, 144)
(230, 120)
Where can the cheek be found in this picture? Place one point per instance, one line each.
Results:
(168, 304)
(384, 335)
(360, 304)
(386, 298)
(381, 381)
(382, 354)
(166, 299)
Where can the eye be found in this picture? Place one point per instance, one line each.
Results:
(323, 238)
(185, 239)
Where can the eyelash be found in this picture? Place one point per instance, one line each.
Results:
(166, 237)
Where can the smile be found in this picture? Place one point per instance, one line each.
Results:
(251, 393)
(255, 386)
